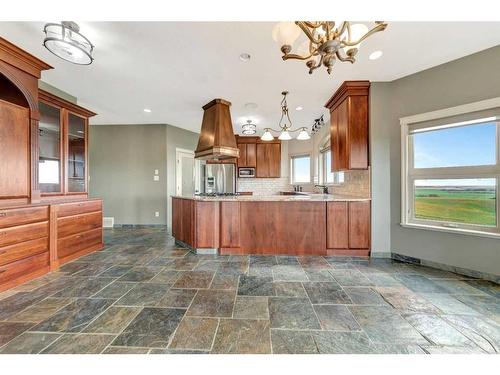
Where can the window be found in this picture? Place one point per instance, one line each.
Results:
(300, 169)
(451, 175)
(327, 176)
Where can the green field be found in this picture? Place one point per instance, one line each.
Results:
(471, 206)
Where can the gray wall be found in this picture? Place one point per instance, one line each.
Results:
(123, 159)
(469, 79)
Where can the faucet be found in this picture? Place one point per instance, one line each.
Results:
(324, 187)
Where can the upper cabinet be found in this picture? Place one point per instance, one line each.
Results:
(63, 134)
(349, 124)
(264, 156)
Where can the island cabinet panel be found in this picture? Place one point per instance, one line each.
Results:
(348, 228)
(359, 225)
(337, 235)
(207, 224)
(183, 220)
(176, 218)
(283, 228)
(229, 226)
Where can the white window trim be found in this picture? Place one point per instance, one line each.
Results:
(448, 172)
(324, 148)
(301, 154)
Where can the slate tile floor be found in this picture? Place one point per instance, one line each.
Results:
(142, 294)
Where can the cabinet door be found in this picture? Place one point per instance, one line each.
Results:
(251, 155)
(359, 225)
(274, 159)
(342, 136)
(242, 159)
(262, 168)
(14, 150)
(358, 132)
(334, 140)
(50, 149)
(77, 157)
(337, 225)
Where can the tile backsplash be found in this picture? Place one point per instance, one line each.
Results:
(264, 186)
(356, 184)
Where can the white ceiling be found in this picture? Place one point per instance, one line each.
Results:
(174, 68)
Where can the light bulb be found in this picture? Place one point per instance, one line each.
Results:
(267, 136)
(285, 33)
(303, 135)
(285, 136)
(357, 31)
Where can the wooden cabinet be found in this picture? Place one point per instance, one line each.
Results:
(349, 126)
(248, 155)
(63, 139)
(268, 156)
(264, 156)
(348, 228)
(43, 160)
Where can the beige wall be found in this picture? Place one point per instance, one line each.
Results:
(469, 79)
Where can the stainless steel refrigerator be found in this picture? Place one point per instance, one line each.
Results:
(218, 178)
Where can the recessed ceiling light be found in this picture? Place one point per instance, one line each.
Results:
(251, 106)
(299, 108)
(245, 57)
(147, 110)
(375, 55)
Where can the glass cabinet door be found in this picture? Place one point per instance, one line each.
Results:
(49, 143)
(76, 154)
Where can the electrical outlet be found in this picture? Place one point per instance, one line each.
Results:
(156, 178)
(156, 171)
(157, 214)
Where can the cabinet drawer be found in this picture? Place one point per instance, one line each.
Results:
(23, 267)
(23, 250)
(77, 208)
(23, 233)
(77, 242)
(69, 225)
(20, 216)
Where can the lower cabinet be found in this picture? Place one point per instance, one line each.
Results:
(37, 239)
(348, 228)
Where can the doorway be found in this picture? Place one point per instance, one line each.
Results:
(185, 172)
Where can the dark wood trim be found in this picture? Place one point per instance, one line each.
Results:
(54, 100)
(21, 59)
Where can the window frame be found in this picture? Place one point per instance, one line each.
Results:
(409, 174)
(338, 177)
(292, 174)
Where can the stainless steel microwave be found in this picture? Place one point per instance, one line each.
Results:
(246, 172)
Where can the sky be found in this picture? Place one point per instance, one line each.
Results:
(461, 146)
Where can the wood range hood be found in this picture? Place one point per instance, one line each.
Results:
(217, 140)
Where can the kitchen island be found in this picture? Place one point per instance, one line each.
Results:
(316, 224)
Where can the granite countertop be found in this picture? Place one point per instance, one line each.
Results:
(278, 198)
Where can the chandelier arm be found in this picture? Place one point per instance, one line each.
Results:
(379, 27)
(298, 129)
(314, 25)
(308, 33)
(342, 28)
(298, 57)
(320, 62)
(273, 130)
(346, 58)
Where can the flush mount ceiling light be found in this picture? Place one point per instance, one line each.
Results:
(299, 108)
(285, 125)
(65, 41)
(326, 41)
(375, 55)
(245, 57)
(249, 128)
(147, 110)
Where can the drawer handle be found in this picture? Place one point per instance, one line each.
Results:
(3, 214)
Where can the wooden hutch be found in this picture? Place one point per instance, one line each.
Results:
(46, 217)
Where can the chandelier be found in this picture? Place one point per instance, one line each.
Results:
(249, 128)
(326, 41)
(65, 41)
(285, 125)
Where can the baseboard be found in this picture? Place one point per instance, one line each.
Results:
(447, 267)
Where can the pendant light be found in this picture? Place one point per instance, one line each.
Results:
(285, 125)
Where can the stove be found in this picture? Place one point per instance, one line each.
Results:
(217, 194)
